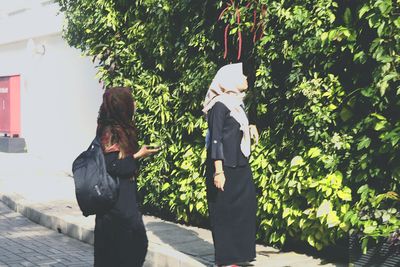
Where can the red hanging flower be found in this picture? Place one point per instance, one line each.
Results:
(257, 25)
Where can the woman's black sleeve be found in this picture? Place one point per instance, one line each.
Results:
(216, 119)
(122, 168)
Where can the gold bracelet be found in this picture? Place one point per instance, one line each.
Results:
(215, 174)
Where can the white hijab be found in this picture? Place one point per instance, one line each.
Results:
(224, 89)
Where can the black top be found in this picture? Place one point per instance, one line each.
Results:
(225, 137)
(123, 168)
(126, 209)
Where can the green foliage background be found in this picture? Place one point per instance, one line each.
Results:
(324, 93)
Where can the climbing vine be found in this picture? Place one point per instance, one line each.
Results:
(324, 93)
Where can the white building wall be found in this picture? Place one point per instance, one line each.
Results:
(60, 95)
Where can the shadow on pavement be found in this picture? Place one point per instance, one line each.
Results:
(183, 240)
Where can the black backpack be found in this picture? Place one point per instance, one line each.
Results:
(96, 191)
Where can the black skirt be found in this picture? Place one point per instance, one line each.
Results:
(120, 238)
(233, 215)
(120, 235)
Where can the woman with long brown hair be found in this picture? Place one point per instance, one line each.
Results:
(120, 235)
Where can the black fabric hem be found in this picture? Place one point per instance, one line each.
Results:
(230, 262)
(217, 151)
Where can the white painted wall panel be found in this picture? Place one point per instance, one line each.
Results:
(60, 95)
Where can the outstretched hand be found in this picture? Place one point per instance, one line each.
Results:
(146, 151)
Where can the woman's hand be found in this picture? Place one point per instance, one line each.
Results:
(145, 151)
(254, 133)
(219, 180)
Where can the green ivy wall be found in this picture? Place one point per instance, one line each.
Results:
(324, 94)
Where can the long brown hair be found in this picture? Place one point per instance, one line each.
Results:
(115, 123)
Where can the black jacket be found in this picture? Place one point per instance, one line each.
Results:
(225, 137)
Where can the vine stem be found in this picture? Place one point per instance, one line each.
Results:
(226, 40)
(239, 34)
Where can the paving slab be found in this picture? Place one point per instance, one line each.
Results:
(24, 243)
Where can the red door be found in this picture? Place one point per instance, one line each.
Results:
(4, 105)
(10, 105)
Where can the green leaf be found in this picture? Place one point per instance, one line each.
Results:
(332, 34)
(347, 16)
(380, 29)
(369, 229)
(397, 22)
(332, 219)
(344, 195)
(165, 186)
(324, 36)
(282, 239)
(324, 209)
(391, 76)
(384, 58)
(392, 210)
(363, 10)
(364, 143)
(346, 114)
(378, 116)
(380, 125)
(332, 17)
(335, 179)
(385, 6)
(314, 152)
(296, 161)
(311, 241)
(199, 205)
(359, 57)
(382, 87)
(364, 245)
(385, 217)
(286, 212)
(332, 107)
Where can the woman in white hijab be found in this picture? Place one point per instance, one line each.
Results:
(230, 187)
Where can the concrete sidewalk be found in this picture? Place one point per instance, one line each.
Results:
(46, 196)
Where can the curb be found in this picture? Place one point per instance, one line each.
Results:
(157, 255)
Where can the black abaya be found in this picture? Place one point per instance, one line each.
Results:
(232, 211)
(120, 235)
